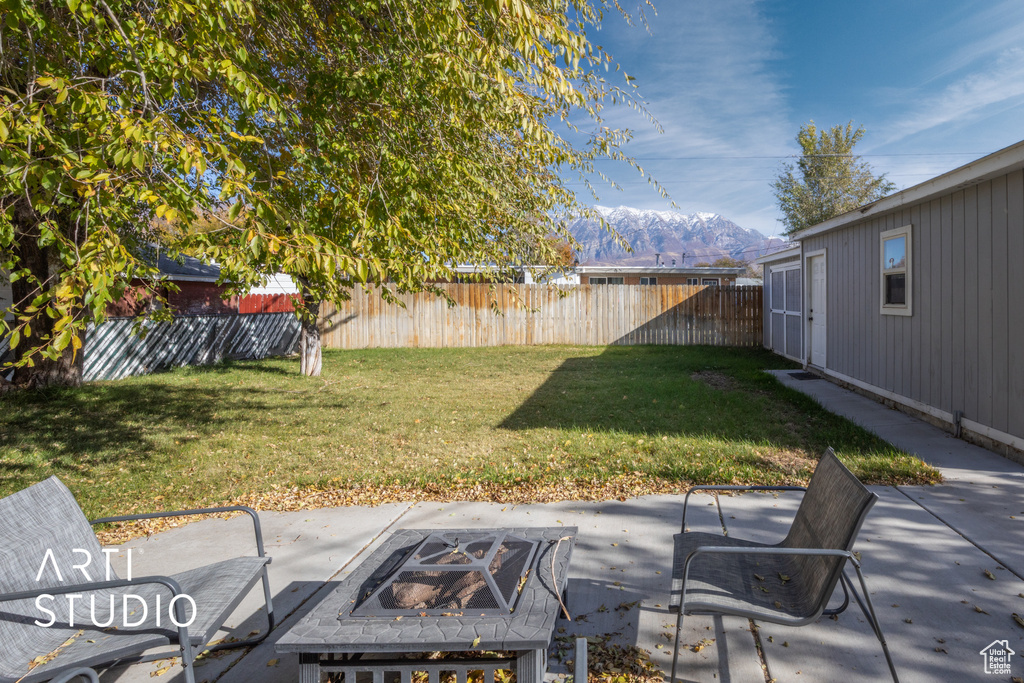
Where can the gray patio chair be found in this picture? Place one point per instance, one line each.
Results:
(45, 517)
(714, 574)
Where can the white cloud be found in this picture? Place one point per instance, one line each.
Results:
(966, 99)
(707, 73)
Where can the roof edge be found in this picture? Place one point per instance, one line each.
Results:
(998, 163)
(780, 255)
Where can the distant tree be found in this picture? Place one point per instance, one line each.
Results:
(829, 179)
(703, 264)
(729, 262)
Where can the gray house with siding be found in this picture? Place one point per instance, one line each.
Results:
(917, 299)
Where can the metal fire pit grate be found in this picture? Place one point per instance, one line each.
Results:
(476, 573)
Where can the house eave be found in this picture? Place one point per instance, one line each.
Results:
(781, 255)
(996, 164)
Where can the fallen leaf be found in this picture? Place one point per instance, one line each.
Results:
(758, 577)
(273, 662)
(1018, 619)
(476, 641)
(989, 574)
(979, 610)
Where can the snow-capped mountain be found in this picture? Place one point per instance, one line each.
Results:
(701, 236)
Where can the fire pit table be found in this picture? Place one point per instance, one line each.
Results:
(440, 590)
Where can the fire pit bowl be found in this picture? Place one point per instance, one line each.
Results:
(477, 572)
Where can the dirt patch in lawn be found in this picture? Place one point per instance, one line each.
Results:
(716, 380)
(790, 462)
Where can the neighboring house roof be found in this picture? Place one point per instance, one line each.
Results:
(749, 281)
(999, 163)
(781, 255)
(188, 270)
(658, 270)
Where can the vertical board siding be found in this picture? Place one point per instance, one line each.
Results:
(111, 351)
(957, 351)
(510, 314)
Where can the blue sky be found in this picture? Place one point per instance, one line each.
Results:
(935, 83)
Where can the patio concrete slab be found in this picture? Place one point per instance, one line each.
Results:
(991, 516)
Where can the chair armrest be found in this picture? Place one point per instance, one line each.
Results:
(723, 487)
(201, 511)
(167, 581)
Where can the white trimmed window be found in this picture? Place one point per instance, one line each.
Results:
(648, 280)
(606, 280)
(897, 271)
(693, 281)
(710, 281)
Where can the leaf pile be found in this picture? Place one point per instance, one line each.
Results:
(295, 498)
(609, 662)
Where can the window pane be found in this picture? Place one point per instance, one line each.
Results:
(653, 281)
(615, 280)
(777, 290)
(895, 253)
(896, 290)
(793, 290)
(598, 280)
(709, 281)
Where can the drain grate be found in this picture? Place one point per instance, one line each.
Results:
(801, 375)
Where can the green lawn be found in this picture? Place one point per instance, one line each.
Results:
(509, 423)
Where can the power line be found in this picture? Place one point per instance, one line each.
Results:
(798, 156)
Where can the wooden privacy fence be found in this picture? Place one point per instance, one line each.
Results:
(585, 315)
(113, 352)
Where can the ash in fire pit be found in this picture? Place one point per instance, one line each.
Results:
(480, 573)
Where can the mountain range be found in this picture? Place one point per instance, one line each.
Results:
(701, 237)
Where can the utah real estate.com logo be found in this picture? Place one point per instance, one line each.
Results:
(997, 657)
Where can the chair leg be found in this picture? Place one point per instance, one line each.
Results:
(87, 674)
(846, 599)
(869, 611)
(271, 621)
(675, 653)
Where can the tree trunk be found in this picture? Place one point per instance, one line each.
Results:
(310, 356)
(66, 371)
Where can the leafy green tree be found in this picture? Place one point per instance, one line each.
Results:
(829, 179)
(372, 142)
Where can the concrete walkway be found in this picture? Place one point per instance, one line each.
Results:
(925, 551)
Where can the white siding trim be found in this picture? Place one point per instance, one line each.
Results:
(807, 281)
(998, 163)
(885, 393)
(994, 434)
(970, 425)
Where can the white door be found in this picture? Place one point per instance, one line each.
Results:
(816, 311)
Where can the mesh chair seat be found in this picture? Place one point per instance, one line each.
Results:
(769, 587)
